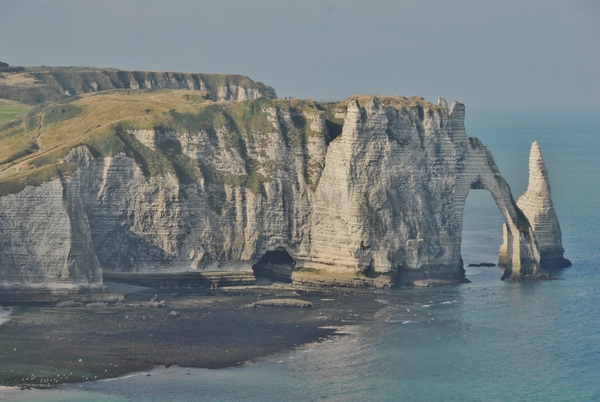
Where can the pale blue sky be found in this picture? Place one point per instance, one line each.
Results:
(483, 53)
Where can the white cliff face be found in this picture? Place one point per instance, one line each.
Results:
(537, 205)
(74, 81)
(391, 198)
(46, 244)
(156, 225)
(237, 93)
(381, 203)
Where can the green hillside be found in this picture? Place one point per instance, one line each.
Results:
(10, 113)
(33, 143)
(31, 146)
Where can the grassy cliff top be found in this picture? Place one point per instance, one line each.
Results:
(10, 111)
(397, 102)
(32, 145)
(35, 139)
(35, 85)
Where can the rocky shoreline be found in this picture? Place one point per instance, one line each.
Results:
(45, 346)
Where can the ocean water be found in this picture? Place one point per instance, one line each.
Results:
(487, 340)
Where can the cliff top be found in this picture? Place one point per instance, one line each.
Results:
(33, 144)
(397, 102)
(35, 85)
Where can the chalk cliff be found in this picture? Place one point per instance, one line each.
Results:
(537, 206)
(42, 84)
(366, 192)
(45, 248)
(392, 194)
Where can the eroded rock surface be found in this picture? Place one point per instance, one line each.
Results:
(537, 206)
(380, 203)
(37, 84)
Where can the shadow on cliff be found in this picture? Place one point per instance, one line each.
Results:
(122, 251)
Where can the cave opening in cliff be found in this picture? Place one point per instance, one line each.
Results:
(276, 264)
(481, 234)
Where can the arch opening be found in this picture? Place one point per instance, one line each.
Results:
(276, 264)
(481, 235)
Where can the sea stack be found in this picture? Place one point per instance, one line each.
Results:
(537, 206)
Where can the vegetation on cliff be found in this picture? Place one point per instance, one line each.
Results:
(10, 112)
(35, 85)
(34, 140)
(107, 122)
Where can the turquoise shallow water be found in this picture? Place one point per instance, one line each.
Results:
(488, 340)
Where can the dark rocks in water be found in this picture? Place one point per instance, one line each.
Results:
(482, 264)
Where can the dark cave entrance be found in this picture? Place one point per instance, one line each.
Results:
(276, 264)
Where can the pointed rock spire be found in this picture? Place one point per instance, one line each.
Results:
(537, 206)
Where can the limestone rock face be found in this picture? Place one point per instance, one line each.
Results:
(379, 204)
(45, 243)
(392, 194)
(53, 84)
(537, 206)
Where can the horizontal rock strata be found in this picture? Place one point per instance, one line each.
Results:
(537, 206)
(366, 193)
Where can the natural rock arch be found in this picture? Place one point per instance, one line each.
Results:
(392, 195)
(382, 203)
(519, 254)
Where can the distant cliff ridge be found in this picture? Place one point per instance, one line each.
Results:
(164, 189)
(34, 85)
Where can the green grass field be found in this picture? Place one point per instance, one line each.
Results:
(8, 113)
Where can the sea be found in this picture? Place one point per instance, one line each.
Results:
(488, 340)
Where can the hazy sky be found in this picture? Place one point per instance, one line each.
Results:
(483, 53)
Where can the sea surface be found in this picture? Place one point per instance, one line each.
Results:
(487, 340)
